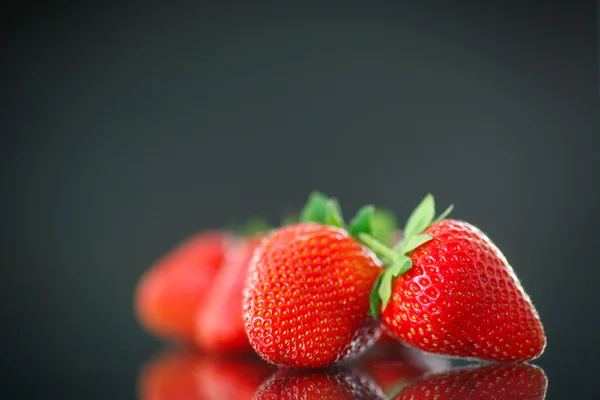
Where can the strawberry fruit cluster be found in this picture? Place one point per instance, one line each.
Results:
(321, 291)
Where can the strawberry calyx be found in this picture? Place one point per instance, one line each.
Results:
(396, 259)
(377, 224)
(254, 226)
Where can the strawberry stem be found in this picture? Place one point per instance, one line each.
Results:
(396, 260)
(379, 225)
(380, 249)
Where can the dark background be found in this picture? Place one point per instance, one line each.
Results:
(126, 128)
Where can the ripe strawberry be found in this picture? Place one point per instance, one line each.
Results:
(191, 376)
(306, 301)
(451, 291)
(168, 294)
(169, 376)
(499, 382)
(220, 322)
(334, 384)
(232, 378)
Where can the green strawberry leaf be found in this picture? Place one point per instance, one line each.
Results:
(385, 288)
(374, 299)
(315, 208)
(333, 214)
(400, 265)
(415, 242)
(407, 265)
(361, 223)
(383, 226)
(443, 215)
(253, 226)
(420, 218)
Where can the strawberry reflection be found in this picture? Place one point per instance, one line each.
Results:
(393, 365)
(499, 382)
(329, 384)
(184, 375)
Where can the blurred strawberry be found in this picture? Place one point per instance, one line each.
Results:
(394, 366)
(168, 294)
(220, 323)
(236, 378)
(328, 384)
(170, 375)
(192, 376)
(497, 382)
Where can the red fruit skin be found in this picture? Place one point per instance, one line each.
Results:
(220, 323)
(333, 384)
(192, 376)
(490, 382)
(306, 301)
(168, 294)
(233, 378)
(169, 376)
(461, 298)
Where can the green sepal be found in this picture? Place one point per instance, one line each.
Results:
(386, 254)
(375, 299)
(253, 226)
(420, 218)
(385, 288)
(315, 209)
(362, 221)
(333, 214)
(399, 266)
(396, 260)
(443, 215)
(383, 226)
(415, 242)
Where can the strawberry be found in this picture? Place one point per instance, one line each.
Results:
(168, 294)
(306, 301)
(220, 323)
(333, 384)
(448, 289)
(169, 376)
(191, 376)
(232, 378)
(499, 382)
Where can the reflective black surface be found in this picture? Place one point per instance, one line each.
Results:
(126, 127)
(387, 371)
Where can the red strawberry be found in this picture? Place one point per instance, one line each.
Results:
(233, 378)
(169, 376)
(396, 366)
(306, 301)
(168, 294)
(454, 293)
(490, 382)
(334, 384)
(190, 376)
(220, 322)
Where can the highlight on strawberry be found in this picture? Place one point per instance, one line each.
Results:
(447, 289)
(306, 301)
